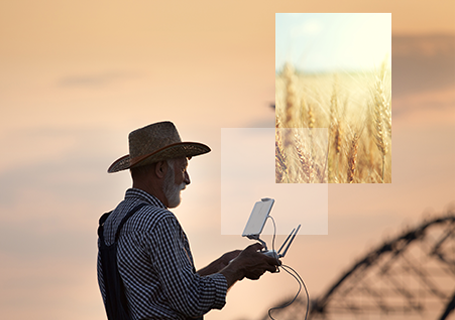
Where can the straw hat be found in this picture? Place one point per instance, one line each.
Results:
(156, 142)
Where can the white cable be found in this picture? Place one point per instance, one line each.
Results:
(296, 276)
(285, 267)
(273, 238)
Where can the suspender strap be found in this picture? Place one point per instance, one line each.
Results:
(125, 218)
(116, 304)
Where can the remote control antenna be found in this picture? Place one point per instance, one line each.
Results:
(292, 239)
(285, 241)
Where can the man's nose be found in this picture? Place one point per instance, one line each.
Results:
(187, 178)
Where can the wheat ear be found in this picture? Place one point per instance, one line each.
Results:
(280, 160)
(306, 162)
(352, 158)
(380, 104)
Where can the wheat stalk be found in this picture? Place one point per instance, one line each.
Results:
(291, 107)
(352, 158)
(305, 161)
(280, 158)
(380, 114)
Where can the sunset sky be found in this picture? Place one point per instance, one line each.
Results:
(77, 77)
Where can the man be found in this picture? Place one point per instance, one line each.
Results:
(154, 258)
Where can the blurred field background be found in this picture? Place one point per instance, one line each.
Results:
(78, 77)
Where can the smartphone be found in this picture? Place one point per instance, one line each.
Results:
(257, 218)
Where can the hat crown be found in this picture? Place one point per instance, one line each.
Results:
(152, 138)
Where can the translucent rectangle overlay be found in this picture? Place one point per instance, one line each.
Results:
(248, 174)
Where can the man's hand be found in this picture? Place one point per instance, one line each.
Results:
(250, 263)
(219, 264)
(254, 263)
(228, 257)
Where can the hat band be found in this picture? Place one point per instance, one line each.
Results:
(134, 161)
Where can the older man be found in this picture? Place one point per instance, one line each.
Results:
(153, 255)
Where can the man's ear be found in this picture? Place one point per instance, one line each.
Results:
(161, 169)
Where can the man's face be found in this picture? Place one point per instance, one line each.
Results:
(175, 181)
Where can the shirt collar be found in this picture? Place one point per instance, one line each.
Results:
(138, 194)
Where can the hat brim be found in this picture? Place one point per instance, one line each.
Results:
(177, 150)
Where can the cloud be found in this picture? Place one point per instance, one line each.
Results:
(96, 79)
(311, 27)
(70, 167)
(422, 63)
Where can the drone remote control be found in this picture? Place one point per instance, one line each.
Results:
(253, 230)
(272, 254)
(255, 224)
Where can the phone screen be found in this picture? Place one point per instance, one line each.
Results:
(258, 218)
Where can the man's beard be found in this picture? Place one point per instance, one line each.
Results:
(170, 188)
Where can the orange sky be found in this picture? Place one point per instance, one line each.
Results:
(202, 30)
(78, 77)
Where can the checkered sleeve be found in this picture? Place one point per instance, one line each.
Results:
(187, 292)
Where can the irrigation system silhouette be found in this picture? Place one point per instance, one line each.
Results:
(411, 276)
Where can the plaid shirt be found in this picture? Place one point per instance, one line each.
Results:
(156, 265)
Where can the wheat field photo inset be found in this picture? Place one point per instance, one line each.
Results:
(333, 87)
(358, 120)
